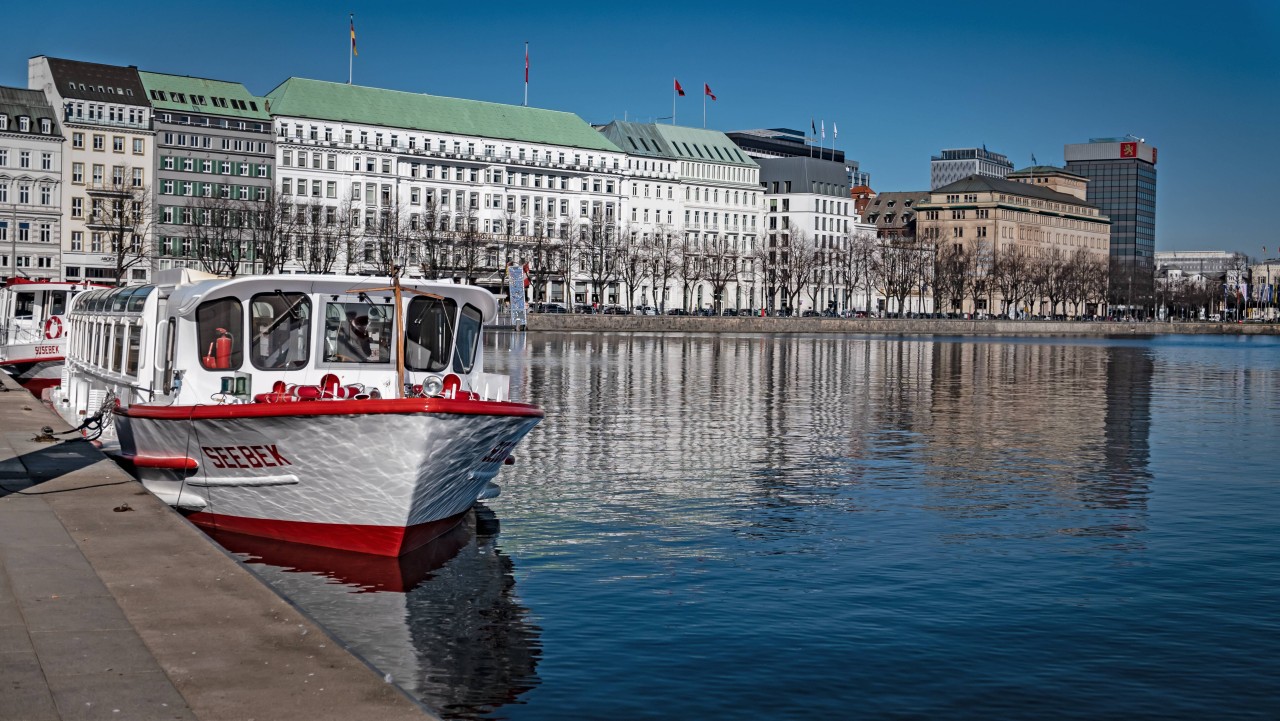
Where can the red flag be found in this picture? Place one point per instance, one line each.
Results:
(353, 35)
(679, 90)
(526, 63)
(707, 89)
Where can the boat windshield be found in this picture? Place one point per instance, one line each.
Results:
(428, 333)
(358, 332)
(281, 324)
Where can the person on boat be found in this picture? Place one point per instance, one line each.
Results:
(360, 336)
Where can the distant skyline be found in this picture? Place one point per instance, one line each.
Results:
(1020, 78)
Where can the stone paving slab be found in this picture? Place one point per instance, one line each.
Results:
(135, 614)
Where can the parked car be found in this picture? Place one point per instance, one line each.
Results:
(677, 311)
(554, 308)
(614, 310)
(584, 308)
(729, 312)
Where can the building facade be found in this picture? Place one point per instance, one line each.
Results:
(214, 174)
(788, 143)
(1122, 185)
(710, 189)
(808, 210)
(442, 186)
(958, 163)
(30, 186)
(1039, 221)
(106, 163)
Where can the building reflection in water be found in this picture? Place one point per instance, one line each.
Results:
(444, 621)
(744, 430)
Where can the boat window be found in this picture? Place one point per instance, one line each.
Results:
(139, 298)
(117, 346)
(135, 350)
(281, 324)
(100, 302)
(219, 333)
(24, 305)
(170, 336)
(464, 353)
(428, 333)
(119, 298)
(358, 333)
(57, 302)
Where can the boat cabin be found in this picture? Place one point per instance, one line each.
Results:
(197, 339)
(32, 312)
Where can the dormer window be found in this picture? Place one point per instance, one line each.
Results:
(24, 124)
(4, 121)
(72, 85)
(45, 126)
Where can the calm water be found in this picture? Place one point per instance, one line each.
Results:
(817, 527)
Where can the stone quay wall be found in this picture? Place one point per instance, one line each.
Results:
(879, 326)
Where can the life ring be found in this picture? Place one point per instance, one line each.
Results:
(53, 328)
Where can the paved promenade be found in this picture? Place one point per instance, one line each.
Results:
(114, 607)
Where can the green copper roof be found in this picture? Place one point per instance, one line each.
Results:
(676, 143)
(299, 97)
(200, 95)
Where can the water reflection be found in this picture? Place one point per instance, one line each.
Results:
(747, 429)
(444, 621)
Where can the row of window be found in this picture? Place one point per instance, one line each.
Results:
(135, 177)
(219, 167)
(24, 261)
(75, 110)
(213, 190)
(26, 232)
(24, 159)
(23, 196)
(100, 143)
(182, 140)
(24, 124)
(441, 145)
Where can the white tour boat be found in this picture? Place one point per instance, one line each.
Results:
(31, 341)
(328, 410)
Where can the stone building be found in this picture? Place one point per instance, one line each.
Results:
(30, 186)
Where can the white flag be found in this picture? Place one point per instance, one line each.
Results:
(823, 125)
(835, 132)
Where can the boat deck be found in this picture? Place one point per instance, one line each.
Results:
(114, 606)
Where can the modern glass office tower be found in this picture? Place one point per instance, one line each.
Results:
(1122, 185)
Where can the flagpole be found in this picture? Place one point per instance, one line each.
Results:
(673, 99)
(351, 49)
(526, 73)
(704, 106)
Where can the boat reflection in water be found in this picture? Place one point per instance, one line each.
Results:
(443, 621)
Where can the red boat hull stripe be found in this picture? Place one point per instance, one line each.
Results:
(41, 359)
(377, 540)
(335, 408)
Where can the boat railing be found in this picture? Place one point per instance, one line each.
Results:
(15, 334)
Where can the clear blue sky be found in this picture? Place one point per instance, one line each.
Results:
(1200, 81)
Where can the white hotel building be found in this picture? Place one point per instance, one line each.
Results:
(506, 172)
(706, 192)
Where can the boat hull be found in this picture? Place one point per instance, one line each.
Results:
(35, 375)
(376, 482)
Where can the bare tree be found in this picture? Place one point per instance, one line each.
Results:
(1011, 276)
(853, 266)
(953, 272)
(901, 267)
(219, 233)
(690, 268)
(633, 267)
(599, 255)
(802, 258)
(122, 212)
(720, 267)
(665, 258)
